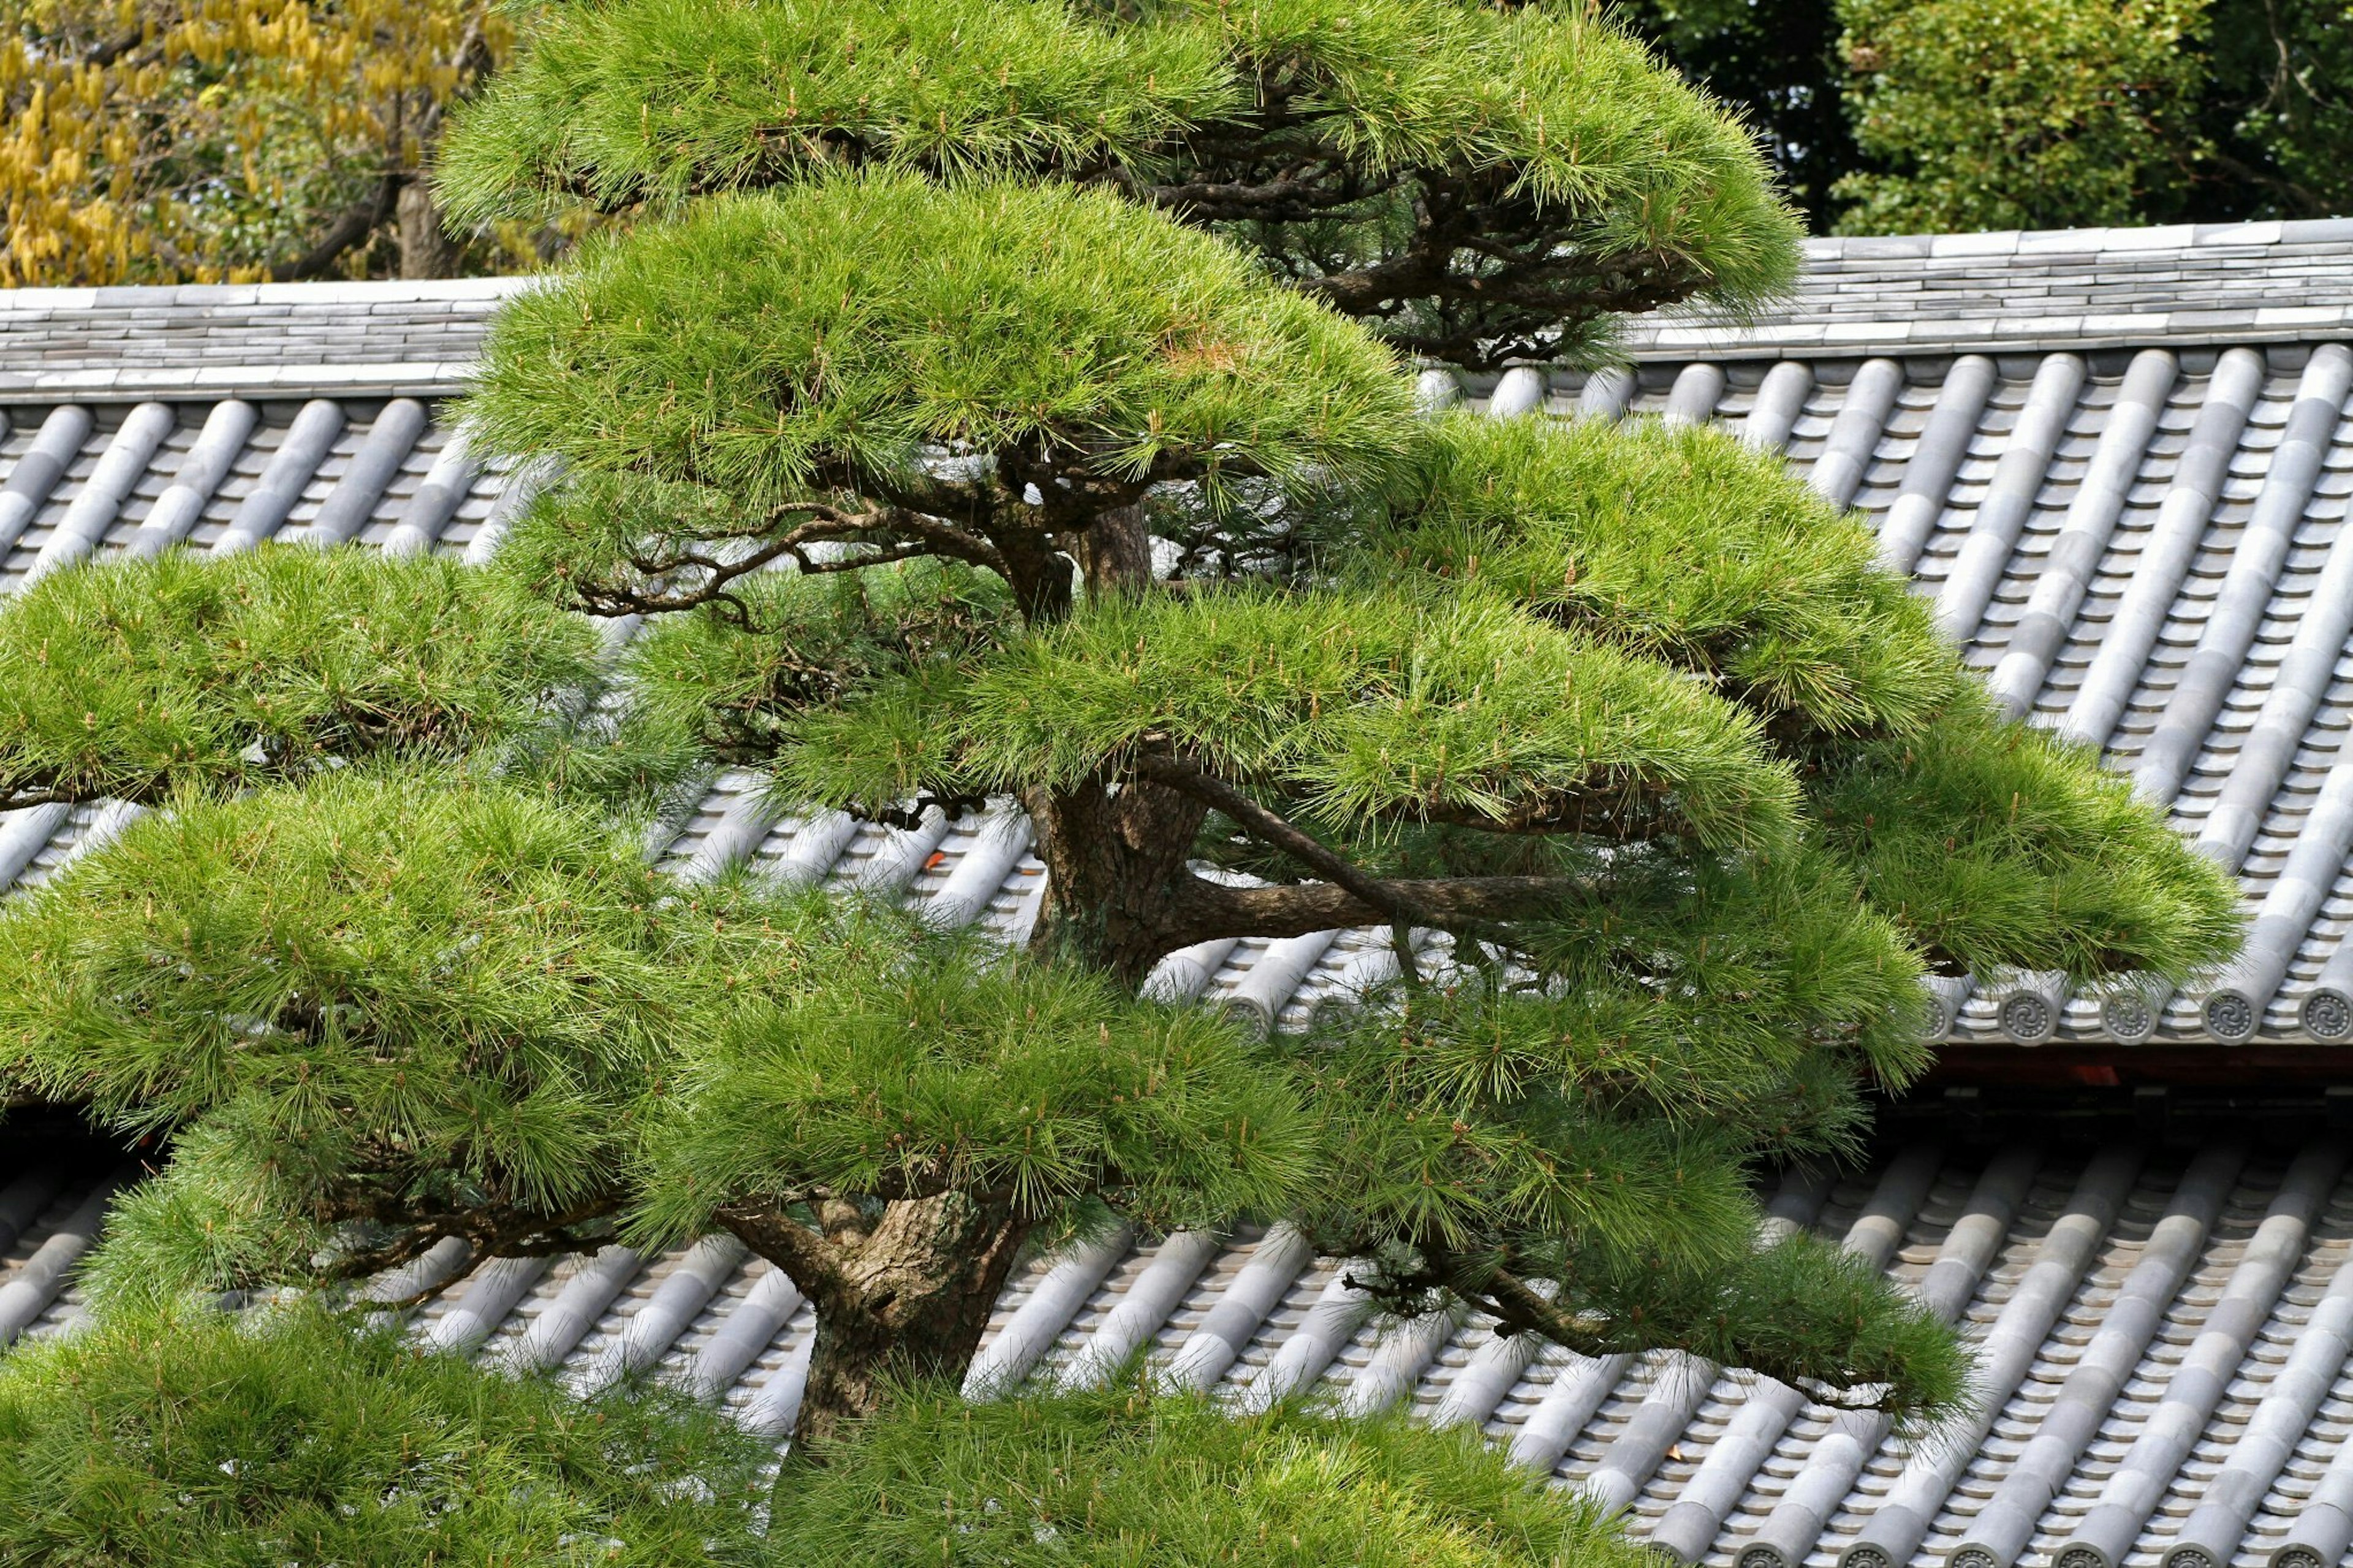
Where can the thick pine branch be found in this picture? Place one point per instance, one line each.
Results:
(1207, 909)
(817, 1265)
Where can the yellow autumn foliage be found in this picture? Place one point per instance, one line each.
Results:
(168, 140)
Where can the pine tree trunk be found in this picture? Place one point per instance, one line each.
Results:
(1114, 859)
(912, 1300)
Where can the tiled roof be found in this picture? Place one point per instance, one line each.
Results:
(2202, 284)
(2139, 544)
(2086, 287)
(2163, 1337)
(2131, 511)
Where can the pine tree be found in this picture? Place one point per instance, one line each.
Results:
(1013, 400)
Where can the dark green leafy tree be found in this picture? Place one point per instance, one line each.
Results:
(1006, 401)
(1928, 116)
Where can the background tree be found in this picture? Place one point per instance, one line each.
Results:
(2049, 114)
(191, 141)
(1929, 116)
(1039, 429)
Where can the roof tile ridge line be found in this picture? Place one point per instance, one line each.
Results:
(489, 1295)
(1684, 1381)
(1184, 975)
(192, 379)
(1007, 1356)
(214, 296)
(24, 834)
(1002, 836)
(290, 471)
(2027, 1004)
(573, 1314)
(1780, 402)
(1177, 1264)
(1690, 1525)
(107, 825)
(2184, 516)
(1520, 390)
(2018, 479)
(2298, 687)
(816, 850)
(1606, 395)
(2105, 1533)
(2000, 1534)
(525, 478)
(1838, 470)
(743, 1335)
(1267, 986)
(2215, 666)
(1365, 972)
(1399, 1359)
(1795, 1526)
(2084, 532)
(1895, 1530)
(448, 1258)
(1490, 1372)
(2327, 1011)
(2213, 1532)
(1241, 1311)
(445, 487)
(1929, 473)
(1577, 1391)
(199, 477)
(112, 481)
(26, 1198)
(2322, 1531)
(1698, 388)
(650, 1330)
(902, 855)
(42, 1277)
(775, 1408)
(1331, 1320)
(36, 474)
(2233, 1006)
(351, 503)
(743, 824)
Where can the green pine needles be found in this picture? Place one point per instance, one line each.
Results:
(189, 1441)
(1004, 403)
(1127, 1478)
(136, 681)
(1480, 181)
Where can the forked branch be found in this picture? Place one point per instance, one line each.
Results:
(1348, 895)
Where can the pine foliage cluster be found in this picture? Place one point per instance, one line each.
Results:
(189, 1441)
(963, 462)
(1484, 180)
(134, 681)
(1125, 1477)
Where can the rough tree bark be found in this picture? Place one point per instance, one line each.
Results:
(900, 1295)
(1115, 873)
(1115, 855)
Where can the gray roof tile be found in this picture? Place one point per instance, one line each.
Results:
(2130, 499)
(2163, 1335)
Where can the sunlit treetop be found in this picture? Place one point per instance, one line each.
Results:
(1480, 181)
